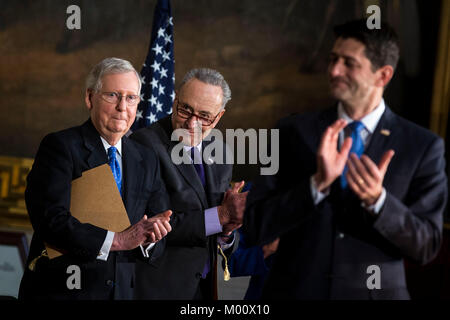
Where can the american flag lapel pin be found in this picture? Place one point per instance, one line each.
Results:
(385, 132)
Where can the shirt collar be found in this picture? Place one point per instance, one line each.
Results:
(188, 148)
(370, 121)
(118, 145)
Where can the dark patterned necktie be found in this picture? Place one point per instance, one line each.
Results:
(198, 164)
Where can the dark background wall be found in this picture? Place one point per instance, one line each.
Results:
(273, 54)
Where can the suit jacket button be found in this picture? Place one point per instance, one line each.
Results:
(340, 236)
(198, 275)
(109, 283)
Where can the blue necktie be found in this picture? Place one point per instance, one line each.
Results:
(198, 164)
(357, 146)
(115, 168)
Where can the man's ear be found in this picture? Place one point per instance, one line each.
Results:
(174, 99)
(385, 75)
(220, 116)
(88, 99)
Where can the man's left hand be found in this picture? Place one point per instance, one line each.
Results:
(365, 178)
(231, 211)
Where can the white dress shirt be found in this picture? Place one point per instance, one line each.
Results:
(106, 247)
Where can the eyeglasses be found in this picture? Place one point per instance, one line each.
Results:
(115, 98)
(185, 111)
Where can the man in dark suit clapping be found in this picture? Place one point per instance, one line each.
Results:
(346, 209)
(105, 259)
(205, 211)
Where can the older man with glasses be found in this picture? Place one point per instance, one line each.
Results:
(105, 259)
(205, 211)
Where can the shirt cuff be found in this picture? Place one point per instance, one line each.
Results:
(377, 206)
(212, 222)
(106, 247)
(146, 250)
(316, 194)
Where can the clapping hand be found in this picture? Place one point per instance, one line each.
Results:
(147, 230)
(330, 161)
(231, 211)
(365, 178)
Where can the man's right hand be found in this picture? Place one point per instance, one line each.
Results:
(231, 211)
(147, 230)
(330, 161)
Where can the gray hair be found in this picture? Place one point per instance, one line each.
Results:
(212, 77)
(109, 66)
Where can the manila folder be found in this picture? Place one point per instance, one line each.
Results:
(95, 199)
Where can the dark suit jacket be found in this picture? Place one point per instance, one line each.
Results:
(178, 272)
(62, 157)
(325, 250)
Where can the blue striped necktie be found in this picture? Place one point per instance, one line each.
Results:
(115, 168)
(357, 147)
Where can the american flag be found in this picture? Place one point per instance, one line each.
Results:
(158, 76)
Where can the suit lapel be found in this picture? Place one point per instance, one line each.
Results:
(211, 169)
(132, 175)
(326, 119)
(383, 136)
(186, 168)
(96, 155)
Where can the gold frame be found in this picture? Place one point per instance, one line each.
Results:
(13, 172)
(441, 89)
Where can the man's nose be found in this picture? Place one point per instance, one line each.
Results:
(193, 122)
(122, 104)
(335, 68)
